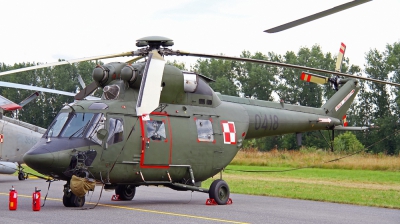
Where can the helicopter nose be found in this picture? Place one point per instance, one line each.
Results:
(39, 162)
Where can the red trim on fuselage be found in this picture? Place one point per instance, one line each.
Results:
(11, 106)
(142, 165)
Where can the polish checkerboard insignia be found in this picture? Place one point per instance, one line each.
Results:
(229, 132)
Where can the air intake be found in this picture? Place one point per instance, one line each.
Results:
(111, 92)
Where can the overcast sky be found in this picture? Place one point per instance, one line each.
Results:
(44, 31)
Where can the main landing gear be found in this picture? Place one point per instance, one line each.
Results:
(125, 192)
(219, 192)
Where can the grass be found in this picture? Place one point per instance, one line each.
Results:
(317, 158)
(31, 172)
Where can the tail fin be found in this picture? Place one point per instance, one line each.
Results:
(339, 103)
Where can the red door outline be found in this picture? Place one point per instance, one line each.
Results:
(144, 139)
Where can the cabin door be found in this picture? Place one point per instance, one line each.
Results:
(156, 141)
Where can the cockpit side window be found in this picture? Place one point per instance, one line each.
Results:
(115, 130)
(69, 125)
(57, 125)
(98, 123)
(77, 124)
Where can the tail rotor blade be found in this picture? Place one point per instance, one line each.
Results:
(340, 57)
(150, 87)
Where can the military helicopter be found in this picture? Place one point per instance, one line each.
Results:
(158, 125)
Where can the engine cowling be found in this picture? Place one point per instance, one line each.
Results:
(7, 167)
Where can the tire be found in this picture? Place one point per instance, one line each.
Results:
(219, 191)
(67, 200)
(126, 192)
(76, 201)
(21, 176)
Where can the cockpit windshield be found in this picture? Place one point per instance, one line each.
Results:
(71, 124)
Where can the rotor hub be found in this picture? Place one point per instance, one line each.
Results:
(154, 42)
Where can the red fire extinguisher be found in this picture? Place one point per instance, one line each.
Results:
(36, 200)
(13, 202)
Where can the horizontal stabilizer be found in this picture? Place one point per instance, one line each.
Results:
(342, 128)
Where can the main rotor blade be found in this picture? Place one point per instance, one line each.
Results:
(81, 81)
(316, 16)
(66, 62)
(85, 92)
(134, 60)
(150, 87)
(41, 89)
(282, 65)
(309, 77)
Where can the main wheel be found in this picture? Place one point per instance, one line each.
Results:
(219, 191)
(21, 176)
(76, 201)
(126, 192)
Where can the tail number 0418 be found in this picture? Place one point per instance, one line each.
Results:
(266, 122)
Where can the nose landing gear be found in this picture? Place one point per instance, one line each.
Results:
(70, 199)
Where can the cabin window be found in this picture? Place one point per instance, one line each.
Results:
(156, 130)
(115, 131)
(204, 131)
(209, 102)
(202, 101)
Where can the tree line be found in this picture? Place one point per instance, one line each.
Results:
(376, 106)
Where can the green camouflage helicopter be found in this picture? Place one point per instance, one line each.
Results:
(158, 125)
